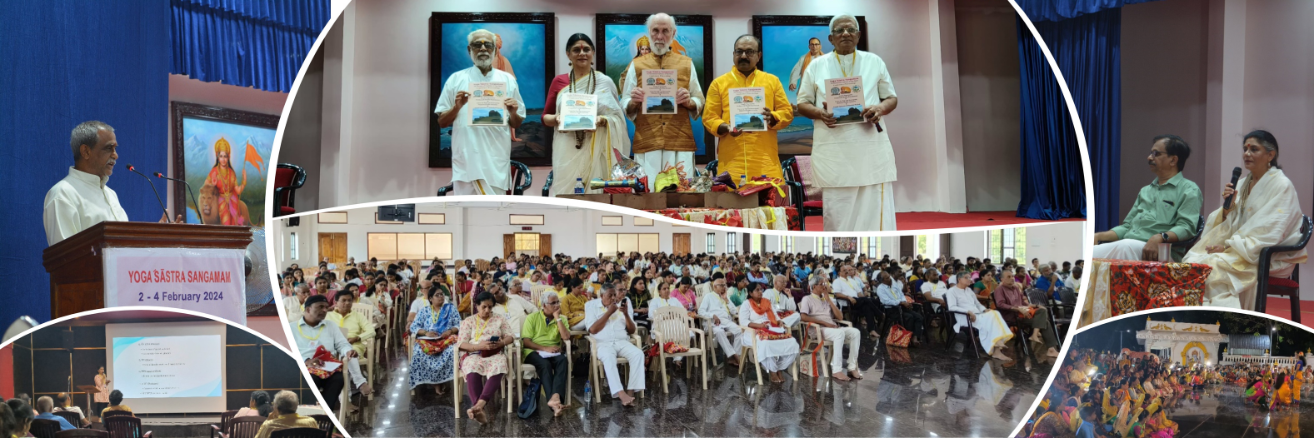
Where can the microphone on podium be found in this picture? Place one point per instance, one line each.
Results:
(1236, 175)
(157, 192)
(189, 191)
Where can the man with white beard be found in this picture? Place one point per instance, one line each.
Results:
(662, 140)
(481, 155)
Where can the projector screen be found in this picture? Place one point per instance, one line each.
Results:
(168, 367)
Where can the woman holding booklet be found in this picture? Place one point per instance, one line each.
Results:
(590, 124)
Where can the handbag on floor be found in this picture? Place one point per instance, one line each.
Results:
(898, 337)
(530, 403)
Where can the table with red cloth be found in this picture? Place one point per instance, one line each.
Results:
(1119, 287)
(760, 218)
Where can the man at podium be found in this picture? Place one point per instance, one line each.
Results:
(82, 199)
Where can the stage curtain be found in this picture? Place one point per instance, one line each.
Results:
(66, 63)
(248, 43)
(1053, 183)
(1057, 10)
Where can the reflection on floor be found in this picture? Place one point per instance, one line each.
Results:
(1221, 411)
(929, 391)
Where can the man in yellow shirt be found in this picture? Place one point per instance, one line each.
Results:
(739, 152)
(360, 331)
(285, 416)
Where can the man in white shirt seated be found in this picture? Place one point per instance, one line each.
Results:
(293, 304)
(511, 306)
(989, 324)
(934, 289)
(82, 200)
(312, 331)
(850, 289)
(779, 295)
(718, 313)
(610, 320)
(64, 403)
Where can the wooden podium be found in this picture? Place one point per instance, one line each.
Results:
(76, 265)
(91, 397)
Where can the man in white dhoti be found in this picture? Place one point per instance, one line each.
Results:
(663, 140)
(852, 163)
(1265, 213)
(610, 320)
(82, 199)
(774, 348)
(717, 312)
(481, 155)
(1165, 211)
(779, 296)
(989, 324)
(819, 308)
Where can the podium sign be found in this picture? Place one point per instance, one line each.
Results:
(207, 280)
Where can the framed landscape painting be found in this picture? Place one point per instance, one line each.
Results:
(526, 49)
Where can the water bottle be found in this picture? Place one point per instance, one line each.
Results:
(588, 392)
(579, 186)
(743, 180)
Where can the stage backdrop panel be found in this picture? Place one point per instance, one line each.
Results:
(622, 37)
(523, 41)
(786, 45)
(42, 365)
(116, 74)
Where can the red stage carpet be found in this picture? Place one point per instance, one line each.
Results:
(1281, 308)
(930, 220)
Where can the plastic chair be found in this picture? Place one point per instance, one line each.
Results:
(71, 417)
(44, 428)
(458, 380)
(244, 427)
(1281, 286)
(524, 368)
(595, 368)
(287, 179)
(299, 432)
(547, 184)
(127, 426)
(809, 344)
(673, 324)
(82, 433)
(797, 195)
(222, 428)
(969, 331)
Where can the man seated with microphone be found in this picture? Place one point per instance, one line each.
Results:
(82, 200)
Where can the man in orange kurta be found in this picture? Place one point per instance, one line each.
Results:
(738, 152)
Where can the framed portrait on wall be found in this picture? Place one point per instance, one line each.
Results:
(844, 245)
(223, 154)
(793, 41)
(622, 37)
(526, 48)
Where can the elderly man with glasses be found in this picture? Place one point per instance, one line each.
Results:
(853, 163)
(481, 155)
(663, 140)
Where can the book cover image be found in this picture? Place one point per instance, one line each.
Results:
(486, 108)
(579, 112)
(659, 87)
(746, 105)
(844, 99)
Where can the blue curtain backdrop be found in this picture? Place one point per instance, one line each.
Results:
(66, 63)
(248, 43)
(1084, 37)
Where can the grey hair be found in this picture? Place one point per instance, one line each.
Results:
(516, 282)
(778, 277)
(470, 38)
(815, 280)
(87, 133)
(543, 299)
(839, 18)
(301, 287)
(285, 402)
(647, 24)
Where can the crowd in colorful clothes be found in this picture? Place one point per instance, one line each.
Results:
(1128, 395)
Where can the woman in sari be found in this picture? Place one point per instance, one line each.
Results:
(1284, 390)
(224, 181)
(1256, 392)
(464, 289)
(687, 297)
(432, 359)
(1265, 212)
(775, 349)
(589, 153)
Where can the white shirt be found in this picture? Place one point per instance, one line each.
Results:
(849, 286)
(711, 304)
(327, 333)
(78, 202)
(631, 81)
(479, 152)
(937, 290)
(963, 300)
(659, 302)
(780, 300)
(615, 328)
(852, 155)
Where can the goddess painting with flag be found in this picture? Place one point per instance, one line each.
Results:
(224, 178)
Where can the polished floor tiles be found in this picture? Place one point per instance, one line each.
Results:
(1221, 411)
(927, 391)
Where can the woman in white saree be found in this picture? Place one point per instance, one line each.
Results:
(585, 155)
(1266, 212)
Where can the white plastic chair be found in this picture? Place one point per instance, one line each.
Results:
(673, 324)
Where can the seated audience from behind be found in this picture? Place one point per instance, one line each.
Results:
(18, 419)
(286, 417)
(64, 403)
(44, 406)
(116, 403)
(259, 406)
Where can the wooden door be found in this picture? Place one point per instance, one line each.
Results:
(544, 244)
(680, 243)
(334, 247)
(945, 244)
(907, 246)
(508, 245)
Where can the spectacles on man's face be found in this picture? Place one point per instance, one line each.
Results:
(1155, 153)
(746, 52)
(845, 30)
(482, 45)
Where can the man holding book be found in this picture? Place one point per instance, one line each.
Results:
(745, 108)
